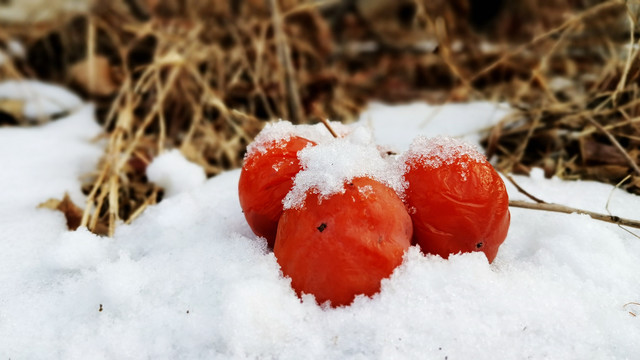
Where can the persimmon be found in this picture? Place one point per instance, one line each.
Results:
(265, 179)
(343, 245)
(456, 199)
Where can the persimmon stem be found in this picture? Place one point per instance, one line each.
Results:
(326, 124)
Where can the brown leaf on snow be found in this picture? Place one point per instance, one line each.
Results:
(71, 212)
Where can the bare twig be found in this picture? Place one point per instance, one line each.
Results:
(634, 314)
(609, 201)
(523, 191)
(569, 210)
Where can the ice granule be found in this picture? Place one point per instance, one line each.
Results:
(366, 190)
(439, 150)
(329, 165)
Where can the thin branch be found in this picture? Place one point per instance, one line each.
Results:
(569, 210)
(609, 201)
(523, 191)
(629, 311)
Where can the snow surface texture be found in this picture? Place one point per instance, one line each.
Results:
(175, 173)
(332, 162)
(41, 100)
(189, 280)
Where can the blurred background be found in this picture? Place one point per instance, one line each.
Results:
(204, 76)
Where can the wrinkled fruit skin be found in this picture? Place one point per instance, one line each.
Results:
(453, 212)
(343, 245)
(265, 180)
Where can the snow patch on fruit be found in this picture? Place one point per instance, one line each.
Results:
(328, 166)
(366, 190)
(440, 150)
(281, 131)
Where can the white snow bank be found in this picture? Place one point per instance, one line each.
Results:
(175, 173)
(188, 279)
(392, 125)
(41, 100)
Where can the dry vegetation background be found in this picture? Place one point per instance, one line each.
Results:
(204, 76)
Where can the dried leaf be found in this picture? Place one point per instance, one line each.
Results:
(94, 76)
(71, 212)
(594, 152)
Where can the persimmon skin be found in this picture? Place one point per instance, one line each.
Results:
(265, 179)
(341, 246)
(461, 206)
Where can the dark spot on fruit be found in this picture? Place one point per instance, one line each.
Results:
(479, 245)
(322, 227)
(379, 239)
(350, 184)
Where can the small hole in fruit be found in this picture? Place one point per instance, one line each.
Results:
(322, 227)
(479, 245)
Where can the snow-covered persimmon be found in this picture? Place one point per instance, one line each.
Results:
(265, 179)
(343, 245)
(456, 199)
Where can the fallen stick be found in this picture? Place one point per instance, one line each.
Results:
(569, 210)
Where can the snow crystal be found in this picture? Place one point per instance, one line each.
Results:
(440, 150)
(283, 130)
(174, 173)
(328, 166)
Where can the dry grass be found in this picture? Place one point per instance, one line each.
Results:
(585, 124)
(204, 76)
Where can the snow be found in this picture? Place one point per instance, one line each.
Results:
(395, 126)
(41, 100)
(439, 150)
(174, 173)
(327, 166)
(188, 279)
(282, 130)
